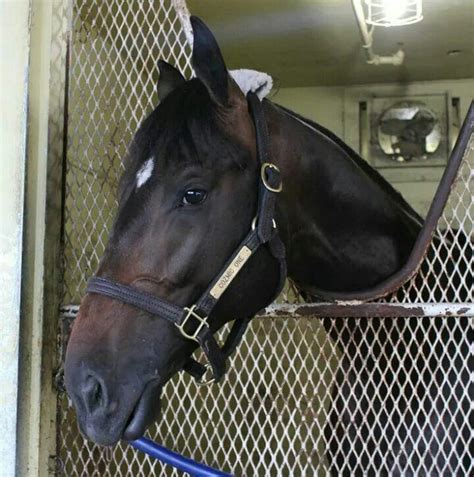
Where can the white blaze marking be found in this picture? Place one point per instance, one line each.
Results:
(145, 172)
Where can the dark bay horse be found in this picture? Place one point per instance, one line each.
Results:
(187, 198)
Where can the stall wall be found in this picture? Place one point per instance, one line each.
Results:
(337, 108)
(14, 28)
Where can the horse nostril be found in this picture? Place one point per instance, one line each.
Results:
(97, 394)
(94, 394)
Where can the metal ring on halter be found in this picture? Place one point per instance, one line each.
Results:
(206, 382)
(269, 165)
(254, 223)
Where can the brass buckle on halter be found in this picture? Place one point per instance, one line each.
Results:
(202, 323)
(269, 165)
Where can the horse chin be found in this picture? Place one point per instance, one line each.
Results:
(144, 413)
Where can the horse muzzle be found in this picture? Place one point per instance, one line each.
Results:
(104, 419)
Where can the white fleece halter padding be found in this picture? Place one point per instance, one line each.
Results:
(250, 80)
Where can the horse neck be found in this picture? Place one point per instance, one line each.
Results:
(343, 226)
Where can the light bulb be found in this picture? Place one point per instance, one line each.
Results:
(393, 12)
(394, 9)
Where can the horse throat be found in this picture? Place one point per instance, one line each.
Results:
(344, 228)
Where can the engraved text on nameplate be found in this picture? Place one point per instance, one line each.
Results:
(230, 273)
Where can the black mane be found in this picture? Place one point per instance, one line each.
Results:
(185, 117)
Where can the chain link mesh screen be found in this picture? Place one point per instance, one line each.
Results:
(446, 273)
(311, 397)
(304, 396)
(113, 79)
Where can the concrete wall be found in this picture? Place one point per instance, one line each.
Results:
(322, 104)
(14, 28)
(337, 108)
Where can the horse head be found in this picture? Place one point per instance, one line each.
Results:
(187, 198)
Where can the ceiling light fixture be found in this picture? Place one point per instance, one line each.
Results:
(384, 13)
(388, 13)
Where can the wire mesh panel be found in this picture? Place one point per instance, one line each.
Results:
(311, 397)
(304, 395)
(113, 76)
(446, 273)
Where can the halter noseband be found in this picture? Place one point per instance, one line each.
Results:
(192, 322)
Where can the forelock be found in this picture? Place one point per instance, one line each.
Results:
(185, 128)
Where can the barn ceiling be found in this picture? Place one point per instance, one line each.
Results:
(316, 42)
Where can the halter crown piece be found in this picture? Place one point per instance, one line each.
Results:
(192, 321)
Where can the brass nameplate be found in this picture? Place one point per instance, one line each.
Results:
(230, 273)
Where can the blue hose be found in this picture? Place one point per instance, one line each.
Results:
(172, 458)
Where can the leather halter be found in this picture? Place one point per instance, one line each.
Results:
(192, 322)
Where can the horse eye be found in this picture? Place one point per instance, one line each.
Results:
(194, 196)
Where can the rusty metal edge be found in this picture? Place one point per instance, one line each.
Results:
(367, 310)
(426, 234)
(338, 310)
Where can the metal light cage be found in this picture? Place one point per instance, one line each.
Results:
(314, 389)
(384, 12)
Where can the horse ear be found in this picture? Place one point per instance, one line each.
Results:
(170, 78)
(208, 62)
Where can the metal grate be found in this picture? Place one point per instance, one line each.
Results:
(444, 274)
(113, 76)
(307, 396)
(304, 395)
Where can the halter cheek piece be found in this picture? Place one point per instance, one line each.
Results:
(192, 322)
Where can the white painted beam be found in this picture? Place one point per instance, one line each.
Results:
(14, 52)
